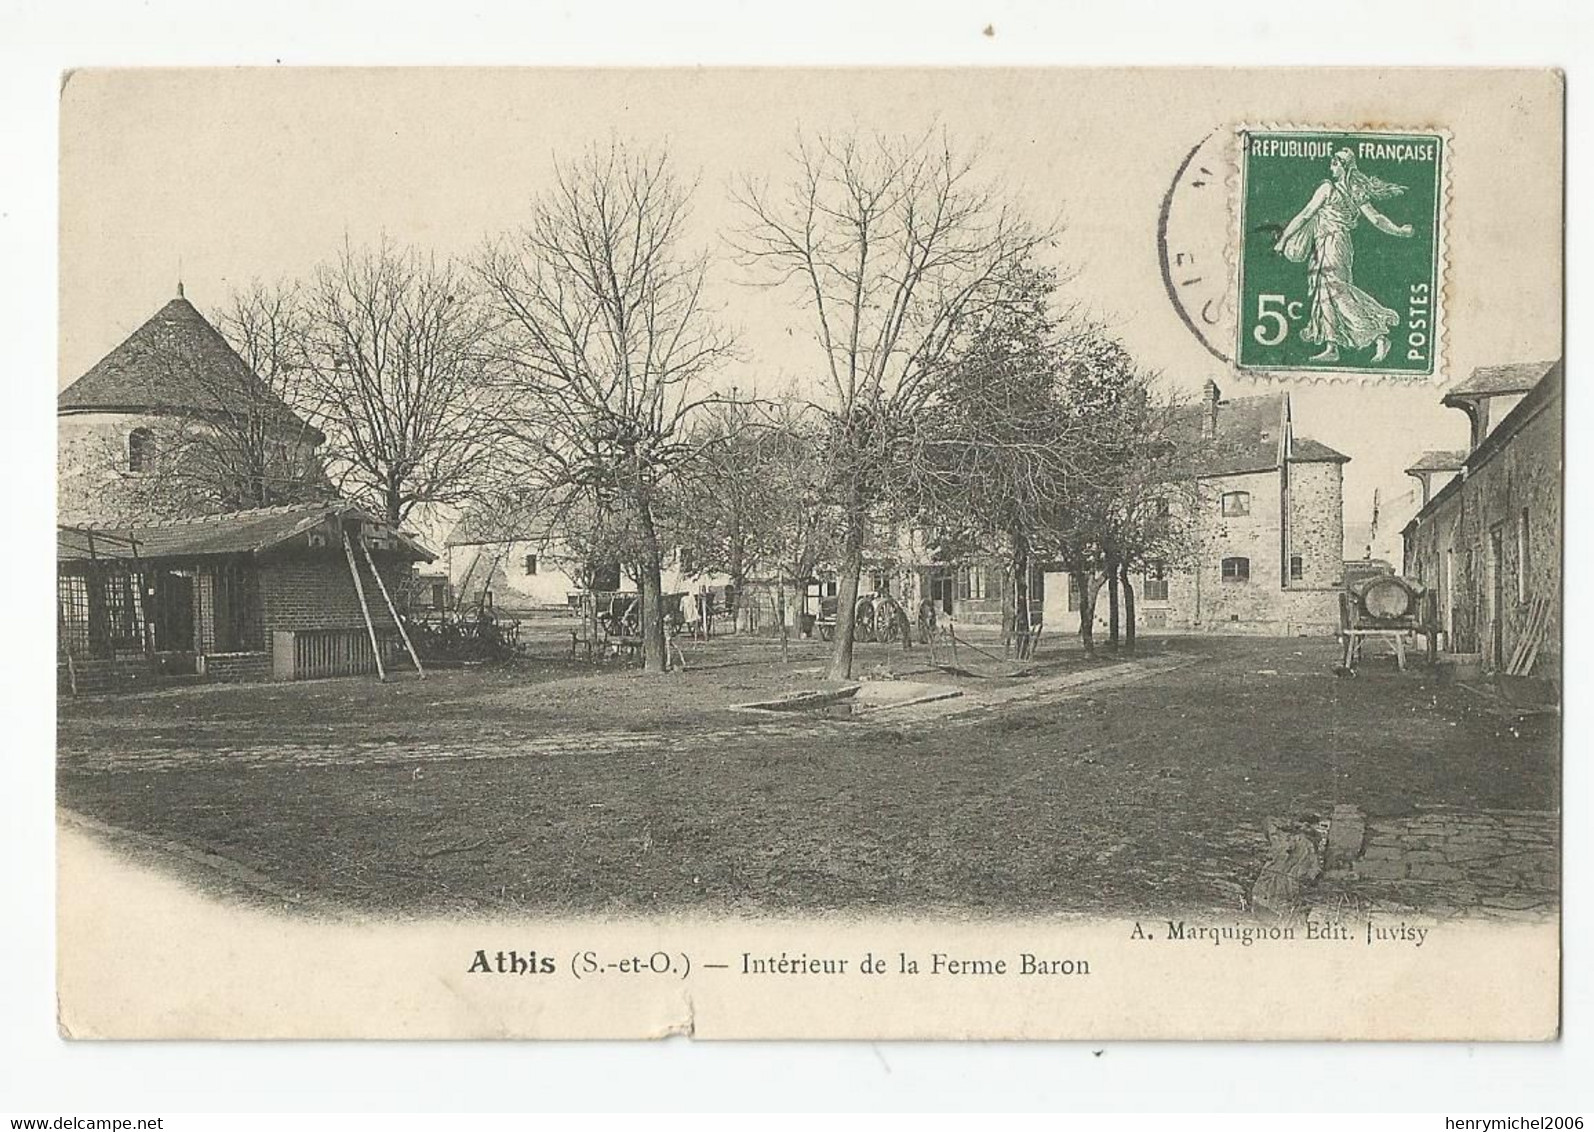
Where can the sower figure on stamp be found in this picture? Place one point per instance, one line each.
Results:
(1343, 315)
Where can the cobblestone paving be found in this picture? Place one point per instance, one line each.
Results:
(1452, 861)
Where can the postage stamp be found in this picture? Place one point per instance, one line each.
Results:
(1341, 251)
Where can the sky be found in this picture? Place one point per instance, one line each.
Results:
(225, 176)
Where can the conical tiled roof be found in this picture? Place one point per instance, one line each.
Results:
(176, 363)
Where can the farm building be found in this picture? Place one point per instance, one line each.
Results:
(172, 422)
(1268, 525)
(283, 593)
(1488, 542)
(516, 569)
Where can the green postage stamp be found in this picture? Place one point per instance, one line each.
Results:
(1341, 251)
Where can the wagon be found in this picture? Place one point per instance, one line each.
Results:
(618, 618)
(877, 617)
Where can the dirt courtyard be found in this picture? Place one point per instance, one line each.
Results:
(1116, 785)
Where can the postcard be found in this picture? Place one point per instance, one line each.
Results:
(838, 553)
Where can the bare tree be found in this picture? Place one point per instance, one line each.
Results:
(606, 343)
(719, 510)
(397, 360)
(895, 246)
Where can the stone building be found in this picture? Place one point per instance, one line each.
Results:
(1487, 543)
(1267, 521)
(516, 567)
(172, 422)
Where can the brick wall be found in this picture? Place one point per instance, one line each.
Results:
(314, 591)
(237, 667)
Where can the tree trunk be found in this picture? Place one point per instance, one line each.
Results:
(393, 501)
(1112, 602)
(1089, 584)
(1087, 610)
(1129, 610)
(847, 596)
(780, 613)
(1009, 609)
(1021, 617)
(654, 657)
(737, 571)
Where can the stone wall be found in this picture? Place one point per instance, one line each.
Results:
(94, 482)
(1269, 601)
(1317, 524)
(1514, 495)
(1213, 603)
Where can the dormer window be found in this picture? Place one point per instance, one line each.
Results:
(141, 450)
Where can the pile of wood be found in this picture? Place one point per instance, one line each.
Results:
(1527, 647)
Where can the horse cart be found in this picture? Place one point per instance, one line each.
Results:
(876, 617)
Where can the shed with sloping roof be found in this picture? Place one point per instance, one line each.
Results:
(265, 593)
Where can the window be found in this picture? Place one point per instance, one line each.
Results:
(1297, 568)
(1236, 569)
(141, 450)
(1073, 593)
(1155, 587)
(231, 610)
(971, 583)
(1236, 503)
(688, 560)
(124, 610)
(1524, 558)
(531, 563)
(72, 620)
(439, 595)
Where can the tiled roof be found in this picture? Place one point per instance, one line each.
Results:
(1439, 462)
(176, 363)
(1246, 439)
(1491, 381)
(1309, 451)
(235, 532)
(1547, 390)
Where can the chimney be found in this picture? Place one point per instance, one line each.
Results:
(1210, 398)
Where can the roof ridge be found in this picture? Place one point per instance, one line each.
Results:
(212, 516)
